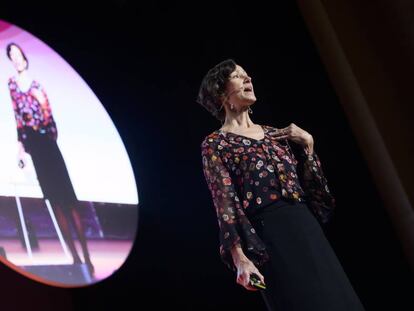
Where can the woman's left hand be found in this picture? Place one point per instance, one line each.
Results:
(297, 135)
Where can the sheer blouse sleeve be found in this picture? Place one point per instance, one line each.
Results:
(48, 121)
(234, 226)
(17, 115)
(314, 183)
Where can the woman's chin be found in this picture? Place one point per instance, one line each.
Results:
(251, 100)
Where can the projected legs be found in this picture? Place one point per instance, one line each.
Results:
(56, 186)
(63, 223)
(82, 239)
(64, 220)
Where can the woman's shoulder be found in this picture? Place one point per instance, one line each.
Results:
(36, 84)
(12, 79)
(211, 139)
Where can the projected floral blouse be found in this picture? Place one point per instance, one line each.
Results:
(29, 112)
(244, 175)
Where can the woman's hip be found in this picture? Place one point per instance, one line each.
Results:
(285, 223)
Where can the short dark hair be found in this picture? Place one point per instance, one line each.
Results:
(8, 49)
(213, 87)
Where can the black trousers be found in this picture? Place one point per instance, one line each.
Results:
(50, 169)
(303, 273)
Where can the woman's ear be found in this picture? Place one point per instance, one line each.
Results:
(223, 100)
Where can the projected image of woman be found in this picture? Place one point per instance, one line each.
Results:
(270, 204)
(37, 135)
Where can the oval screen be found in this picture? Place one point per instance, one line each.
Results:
(68, 196)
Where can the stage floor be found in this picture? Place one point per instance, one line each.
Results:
(106, 255)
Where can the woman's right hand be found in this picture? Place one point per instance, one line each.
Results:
(245, 268)
(21, 156)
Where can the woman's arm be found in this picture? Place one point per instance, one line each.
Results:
(238, 254)
(19, 122)
(235, 229)
(245, 268)
(315, 184)
(40, 95)
(313, 180)
(308, 145)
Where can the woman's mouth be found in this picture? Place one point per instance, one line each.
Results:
(248, 89)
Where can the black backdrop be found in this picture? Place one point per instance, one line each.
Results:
(145, 63)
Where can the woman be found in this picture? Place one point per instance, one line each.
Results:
(270, 205)
(37, 134)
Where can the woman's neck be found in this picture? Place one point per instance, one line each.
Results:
(22, 75)
(238, 121)
(23, 80)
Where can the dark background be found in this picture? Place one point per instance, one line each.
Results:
(145, 63)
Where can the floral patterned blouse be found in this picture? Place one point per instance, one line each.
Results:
(29, 113)
(245, 174)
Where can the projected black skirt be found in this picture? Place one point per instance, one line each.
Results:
(51, 170)
(303, 272)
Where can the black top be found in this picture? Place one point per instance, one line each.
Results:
(245, 174)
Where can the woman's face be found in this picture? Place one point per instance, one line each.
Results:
(17, 58)
(239, 89)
